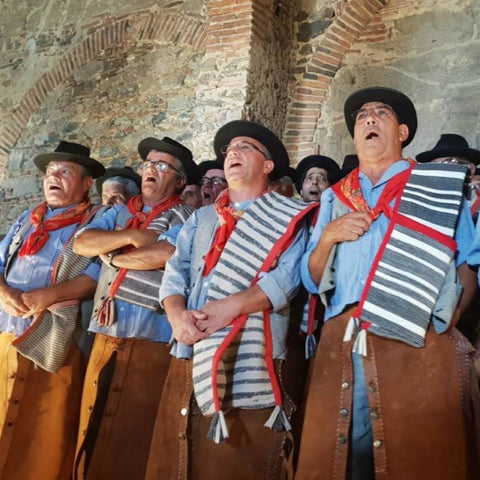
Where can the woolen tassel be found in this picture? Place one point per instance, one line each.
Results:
(278, 420)
(218, 430)
(352, 325)
(310, 346)
(360, 344)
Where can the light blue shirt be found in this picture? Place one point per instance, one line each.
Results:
(32, 272)
(354, 259)
(279, 285)
(474, 254)
(133, 321)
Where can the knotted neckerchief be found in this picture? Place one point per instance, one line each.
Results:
(39, 237)
(349, 192)
(140, 221)
(228, 217)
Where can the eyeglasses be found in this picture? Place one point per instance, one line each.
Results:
(212, 181)
(243, 146)
(451, 160)
(382, 111)
(160, 166)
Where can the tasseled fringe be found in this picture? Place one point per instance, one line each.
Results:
(278, 420)
(310, 346)
(360, 344)
(354, 331)
(351, 328)
(218, 430)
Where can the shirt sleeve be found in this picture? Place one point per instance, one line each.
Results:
(176, 279)
(7, 240)
(171, 234)
(464, 234)
(93, 270)
(324, 217)
(107, 221)
(281, 283)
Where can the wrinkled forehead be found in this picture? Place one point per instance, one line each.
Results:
(57, 164)
(375, 104)
(214, 172)
(316, 171)
(255, 142)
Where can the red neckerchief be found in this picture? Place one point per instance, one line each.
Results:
(140, 221)
(228, 217)
(39, 237)
(349, 192)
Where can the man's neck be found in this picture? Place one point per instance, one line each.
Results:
(238, 194)
(154, 201)
(374, 169)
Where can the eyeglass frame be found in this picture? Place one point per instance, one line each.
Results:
(225, 148)
(160, 168)
(369, 110)
(212, 181)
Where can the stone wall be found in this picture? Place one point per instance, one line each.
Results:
(109, 73)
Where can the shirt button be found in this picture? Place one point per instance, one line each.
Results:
(345, 386)
(343, 412)
(183, 411)
(371, 388)
(341, 439)
(374, 415)
(377, 443)
(205, 284)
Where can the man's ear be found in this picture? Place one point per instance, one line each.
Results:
(180, 183)
(87, 183)
(403, 131)
(268, 166)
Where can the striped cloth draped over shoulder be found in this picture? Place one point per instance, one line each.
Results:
(243, 380)
(413, 261)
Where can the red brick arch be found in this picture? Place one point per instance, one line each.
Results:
(124, 31)
(311, 89)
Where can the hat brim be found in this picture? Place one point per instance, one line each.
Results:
(400, 103)
(469, 154)
(185, 157)
(118, 172)
(94, 167)
(243, 128)
(207, 165)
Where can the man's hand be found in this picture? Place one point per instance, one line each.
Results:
(184, 326)
(37, 300)
(347, 228)
(217, 315)
(11, 301)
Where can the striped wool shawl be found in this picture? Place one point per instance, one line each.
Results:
(412, 263)
(231, 367)
(48, 339)
(140, 287)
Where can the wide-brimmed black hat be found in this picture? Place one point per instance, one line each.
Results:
(207, 165)
(314, 161)
(243, 128)
(400, 103)
(125, 172)
(168, 145)
(450, 145)
(70, 152)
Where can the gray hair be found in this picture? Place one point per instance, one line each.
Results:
(130, 186)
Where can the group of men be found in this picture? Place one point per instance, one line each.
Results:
(191, 360)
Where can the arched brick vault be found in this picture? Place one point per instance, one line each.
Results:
(310, 91)
(133, 29)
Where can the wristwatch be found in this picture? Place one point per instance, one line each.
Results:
(110, 257)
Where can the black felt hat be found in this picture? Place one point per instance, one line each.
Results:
(125, 172)
(400, 103)
(350, 162)
(312, 161)
(450, 145)
(207, 165)
(243, 128)
(70, 152)
(168, 145)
